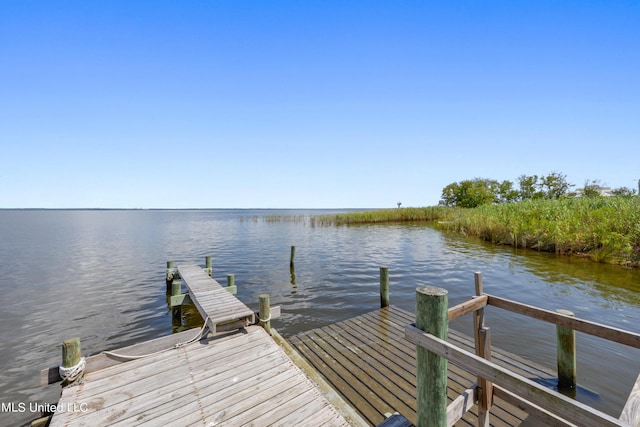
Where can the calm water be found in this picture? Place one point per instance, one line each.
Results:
(99, 275)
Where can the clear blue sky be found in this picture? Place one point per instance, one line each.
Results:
(310, 104)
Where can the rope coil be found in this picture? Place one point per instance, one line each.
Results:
(74, 372)
(265, 320)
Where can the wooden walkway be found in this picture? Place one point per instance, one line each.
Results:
(239, 378)
(371, 364)
(242, 378)
(213, 301)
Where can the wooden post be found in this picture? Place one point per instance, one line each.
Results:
(384, 287)
(231, 284)
(176, 311)
(431, 317)
(208, 266)
(71, 355)
(264, 312)
(482, 338)
(566, 351)
(170, 274)
(293, 255)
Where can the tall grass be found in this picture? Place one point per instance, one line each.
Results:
(383, 215)
(606, 229)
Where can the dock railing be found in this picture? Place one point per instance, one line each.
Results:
(434, 352)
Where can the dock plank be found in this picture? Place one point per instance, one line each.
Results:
(213, 301)
(370, 363)
(221, 380)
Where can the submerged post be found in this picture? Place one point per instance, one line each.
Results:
(293, 255)
(176, 311)
(72, 370)
(169, 276)
(264, 312)
(432, 317)
(566, 354)
(208, 265)
(384, 287)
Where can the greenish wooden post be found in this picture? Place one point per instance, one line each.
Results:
(208, 266)
(176, 311)
(231, 284)
(169, 276)
(293, 256)
(71, 355)
(264, 312)
(384, 287)
(432, 317)
(566, 354)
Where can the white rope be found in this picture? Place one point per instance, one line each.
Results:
(265, 320)
(198, 336)
(74, 372)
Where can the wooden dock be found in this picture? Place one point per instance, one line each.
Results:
(235, 378)
(368, 360)
(242, 378)
(356, 372)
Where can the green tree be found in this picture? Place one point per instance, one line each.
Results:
(507, 193)
(470, 193)
(554, 185)
(529, 187)
(623, 192)
(591, 189)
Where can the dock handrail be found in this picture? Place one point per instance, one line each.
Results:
(551, 406)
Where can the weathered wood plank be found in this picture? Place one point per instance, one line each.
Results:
(610, 333)
(467, 307)
(631, 411)
(101, 361)
(233, 379)
(395, 319)
(572, 410)
(212, 301)
(377, 338)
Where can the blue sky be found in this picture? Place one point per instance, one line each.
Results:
(310, 104)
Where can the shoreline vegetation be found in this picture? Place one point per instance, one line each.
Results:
(603, 229)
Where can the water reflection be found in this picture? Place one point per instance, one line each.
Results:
(100, 275)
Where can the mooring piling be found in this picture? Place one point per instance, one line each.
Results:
(71, 358)
(264, 312)
(566, 353)
(208, 265)
(170, 275)
(176, 310)
(432, 317)
(384, 287)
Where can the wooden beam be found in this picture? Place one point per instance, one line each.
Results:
(468, 307)
(535, 411)
(573, 411)
(461, 405)
(179, 300)
(607, 332)
(631, 411)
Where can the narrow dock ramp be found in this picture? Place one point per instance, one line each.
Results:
(213, 301)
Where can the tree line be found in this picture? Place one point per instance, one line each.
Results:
(471, 193)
